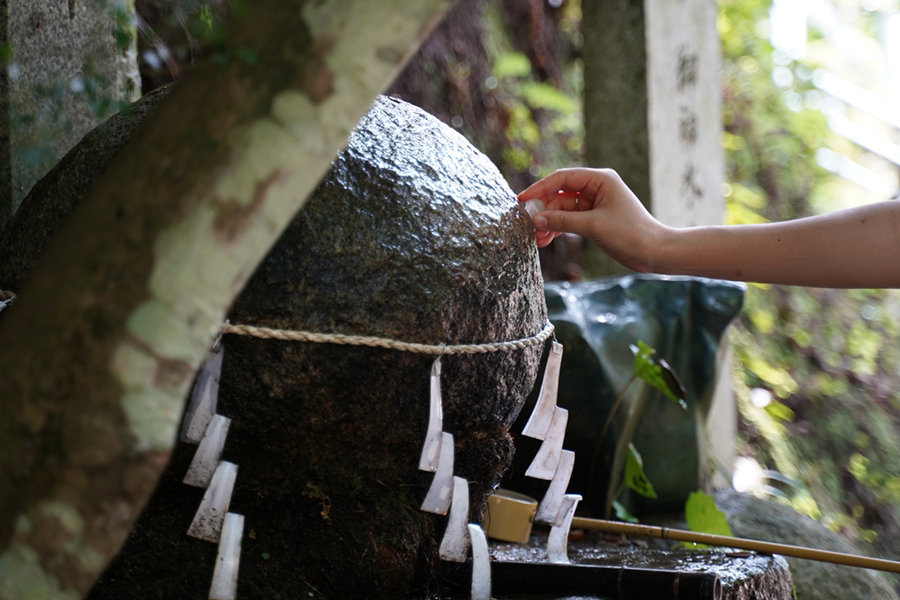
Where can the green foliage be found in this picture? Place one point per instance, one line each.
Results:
(703, 516)
(247, 55)
(174, 34)
(206, 21)
(769, 146)
(777, 410)
(622, 513)
(830, 357)
(544, 127)
(511, 64)
(543, 95)
(122, 13)
(41, 119)
(635, 478)
(658, 374)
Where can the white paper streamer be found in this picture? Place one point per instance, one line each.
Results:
(558, 540)
(441, 491)
(455, 545)
(547, 458)
(207, 523)
(539, 422)
(432, 448)
(204, 398)
(225, 575)
(206, 459)
(481, 564)
(549, 506)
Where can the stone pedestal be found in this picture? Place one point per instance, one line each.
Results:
(64, 75)
(638, 572)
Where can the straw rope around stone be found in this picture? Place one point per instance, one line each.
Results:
(377, 342)
(362, 340)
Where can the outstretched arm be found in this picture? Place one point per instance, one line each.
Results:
(854, 248)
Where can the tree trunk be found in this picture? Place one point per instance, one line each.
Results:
(109, 328)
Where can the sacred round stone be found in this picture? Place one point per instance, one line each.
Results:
(414, 236)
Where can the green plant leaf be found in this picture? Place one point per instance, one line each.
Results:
(777, 410)
(703, 516)
(622, 513)
(206, 18)
(658, 374)
(544, 95)
(635, 478)
(512, 64)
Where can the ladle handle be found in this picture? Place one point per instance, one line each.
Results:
(680, 535)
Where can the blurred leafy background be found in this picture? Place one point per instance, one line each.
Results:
(816, 370)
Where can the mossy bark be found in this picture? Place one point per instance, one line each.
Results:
(111, 324)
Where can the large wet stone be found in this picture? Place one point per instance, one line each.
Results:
(754, 518)
(413, 236)
(52, 199)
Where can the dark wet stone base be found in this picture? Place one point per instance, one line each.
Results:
(632, 573)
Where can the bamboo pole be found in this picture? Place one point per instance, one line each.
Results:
(680, 535)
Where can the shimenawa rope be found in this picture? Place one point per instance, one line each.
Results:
(362, 340)
(377, 342)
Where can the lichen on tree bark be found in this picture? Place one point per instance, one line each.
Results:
(114, 319)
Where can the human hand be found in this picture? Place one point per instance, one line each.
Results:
(596, 204)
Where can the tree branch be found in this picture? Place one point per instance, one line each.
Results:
(110, 326)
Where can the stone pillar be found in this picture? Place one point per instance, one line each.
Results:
(653, 106)
(615, 103)
(65, 73)
(653, 113)
(687, 163)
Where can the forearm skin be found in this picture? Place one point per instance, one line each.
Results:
(853, 248)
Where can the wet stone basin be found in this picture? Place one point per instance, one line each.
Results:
(605, 571)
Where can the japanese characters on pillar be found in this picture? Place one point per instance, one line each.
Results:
(684, 112)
